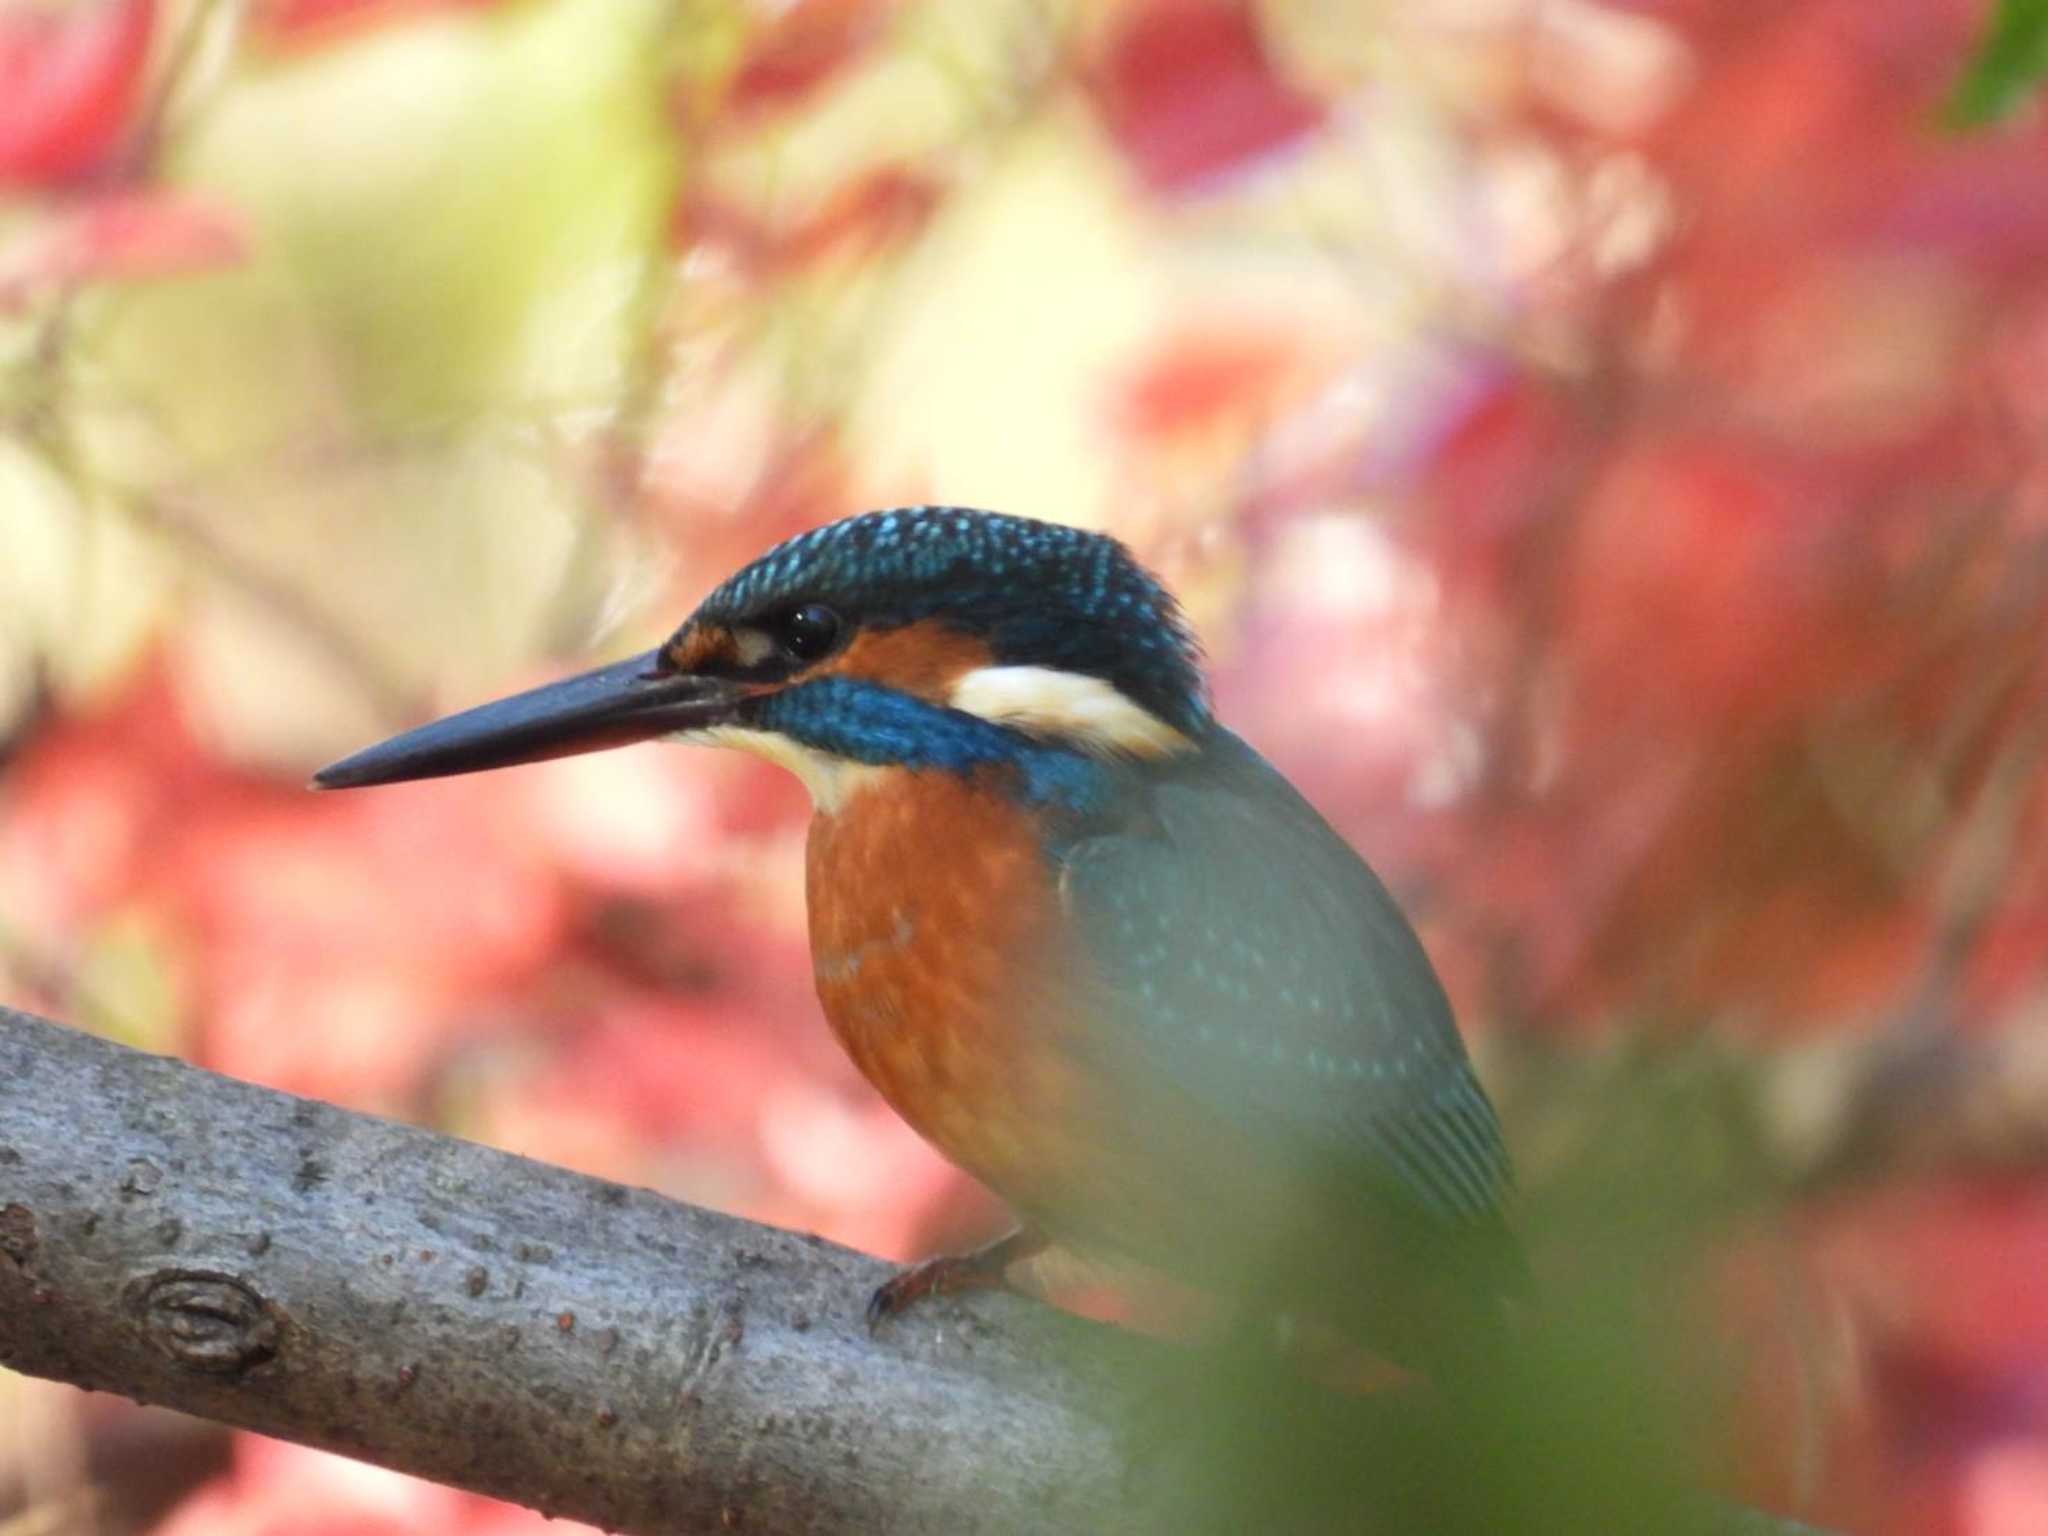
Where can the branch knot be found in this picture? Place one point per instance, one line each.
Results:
(209, 1322)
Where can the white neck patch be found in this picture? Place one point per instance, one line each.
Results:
(832, 781)
(1085, 712)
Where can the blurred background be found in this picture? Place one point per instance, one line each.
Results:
(1603, 445)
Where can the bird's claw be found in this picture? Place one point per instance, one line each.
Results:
(947, 1276)
(986, 1268)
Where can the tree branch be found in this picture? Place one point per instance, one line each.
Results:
(599, 1352)
(489, 1322)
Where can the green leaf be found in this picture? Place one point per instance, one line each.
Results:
(2011, 60)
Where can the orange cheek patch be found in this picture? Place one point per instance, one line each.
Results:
(924, 659)
(699, 646)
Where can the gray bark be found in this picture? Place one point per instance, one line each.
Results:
(600, 1352)
(493, 1323)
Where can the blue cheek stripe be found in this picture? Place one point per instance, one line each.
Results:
(868, 723)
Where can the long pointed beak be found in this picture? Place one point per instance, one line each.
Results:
(632, 700)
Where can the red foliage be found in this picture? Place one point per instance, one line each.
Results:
(1204, 377)
(1496, 475)
(1703, 540)
(805, 46)
(887, 204)
(870, 212)
(596, 991)
(1750, 613)
(1748, 557)
(70, 78)
(303, 24)
(1902, 1353)
(1696, 679)
(123, 237)
(276, 1489)
(1188, 92)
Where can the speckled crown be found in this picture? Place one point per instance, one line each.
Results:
(1040, 594)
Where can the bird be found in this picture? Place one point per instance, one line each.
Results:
(1091, 945)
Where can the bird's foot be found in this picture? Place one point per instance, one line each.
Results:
(986, 1268)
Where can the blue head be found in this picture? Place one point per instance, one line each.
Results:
(1029, 594)
(927, 637)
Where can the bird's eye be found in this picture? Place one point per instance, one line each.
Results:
(808, 632)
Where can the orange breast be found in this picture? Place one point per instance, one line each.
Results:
(950, 976)
(938, 951)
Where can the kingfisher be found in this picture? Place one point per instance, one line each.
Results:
(1084, 939)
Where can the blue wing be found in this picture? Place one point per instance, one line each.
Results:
(1252, 957)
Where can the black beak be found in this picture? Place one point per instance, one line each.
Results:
(632, 700)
